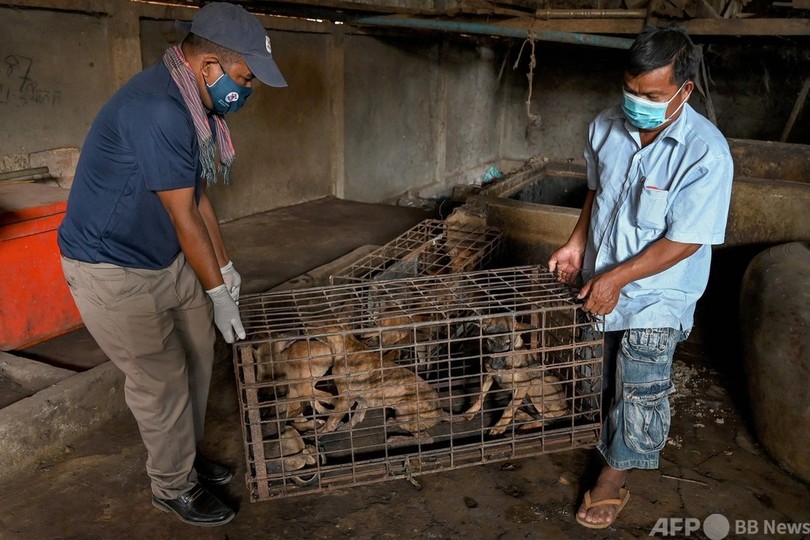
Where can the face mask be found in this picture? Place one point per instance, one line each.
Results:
(646, 114)
(226, 95)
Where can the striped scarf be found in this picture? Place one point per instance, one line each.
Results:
(184, 79)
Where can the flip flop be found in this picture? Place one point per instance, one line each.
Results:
(624, 496)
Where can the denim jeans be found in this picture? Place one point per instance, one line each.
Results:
(636, 427)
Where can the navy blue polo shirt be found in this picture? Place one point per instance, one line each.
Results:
(142, 141)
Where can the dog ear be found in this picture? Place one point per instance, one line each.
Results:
(493, 325)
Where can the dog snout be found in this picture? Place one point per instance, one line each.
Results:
(497, 362)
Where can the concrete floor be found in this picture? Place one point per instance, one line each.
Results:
(97, 487)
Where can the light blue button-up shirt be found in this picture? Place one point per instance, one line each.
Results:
(678, 187)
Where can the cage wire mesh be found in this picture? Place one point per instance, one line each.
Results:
(363, 383)
(431, 247)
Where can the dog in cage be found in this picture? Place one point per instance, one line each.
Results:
(395, 332)
(512, 367)
(297, 362)
(366, 379)
(289, 452)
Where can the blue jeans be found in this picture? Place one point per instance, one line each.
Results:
(636, 427)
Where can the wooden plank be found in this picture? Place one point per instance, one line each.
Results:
(797, 109)
(753, 26)
(748, 27)
(83, 6)
(736, 27)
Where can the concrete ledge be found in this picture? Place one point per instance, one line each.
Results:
(320, 276)
(33, 376)
(40, 426)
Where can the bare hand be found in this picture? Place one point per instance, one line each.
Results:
(566, 262)
(601, 294)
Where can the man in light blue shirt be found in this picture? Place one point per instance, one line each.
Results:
(659, 179)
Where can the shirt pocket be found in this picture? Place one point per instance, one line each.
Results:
(652, 208)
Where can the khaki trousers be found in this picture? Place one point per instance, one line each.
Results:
(157, 327)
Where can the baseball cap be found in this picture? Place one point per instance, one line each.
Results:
(230, 26)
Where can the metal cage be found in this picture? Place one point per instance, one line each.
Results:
(357, 384)
(431, 247)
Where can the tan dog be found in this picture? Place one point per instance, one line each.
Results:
(393, 329)
(363, 376)
(300, 363)
(398, 334)
(519, 372)
(290, 453)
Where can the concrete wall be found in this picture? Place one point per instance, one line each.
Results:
(366, 117)
(43, 105)
(571, 84)
(392, 115)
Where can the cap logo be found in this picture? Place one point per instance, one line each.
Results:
(267, 45)
(231, 97)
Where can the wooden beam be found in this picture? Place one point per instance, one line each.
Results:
(797, 108)
(720, 27)
(753, 26)
(82, 6)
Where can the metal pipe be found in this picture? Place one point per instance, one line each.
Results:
(495, 30)
(591, 13)
(37, 173)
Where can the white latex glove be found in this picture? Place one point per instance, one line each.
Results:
(233, 281)
(226, 314)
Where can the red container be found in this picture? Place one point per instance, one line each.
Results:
(35, 303)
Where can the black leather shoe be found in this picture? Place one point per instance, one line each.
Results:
(210, 473)
(196, 506)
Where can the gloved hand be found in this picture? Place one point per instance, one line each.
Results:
(226, 314)
(233, 281)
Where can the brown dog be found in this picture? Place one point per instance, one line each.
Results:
(519, 372)
(300, 363)
(365, 377)
(399, 335)
(289, 452)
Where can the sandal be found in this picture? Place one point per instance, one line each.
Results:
(619, 503)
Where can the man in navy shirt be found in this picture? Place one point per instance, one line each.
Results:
(142, 251)
(659, 180)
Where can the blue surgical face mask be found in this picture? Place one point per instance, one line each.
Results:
(646, 114)
(226, 95)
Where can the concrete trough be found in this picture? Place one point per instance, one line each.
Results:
(537, 205)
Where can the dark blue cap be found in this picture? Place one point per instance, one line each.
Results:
(230, 26)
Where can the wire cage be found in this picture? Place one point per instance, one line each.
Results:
(363, 383)
(431, 247)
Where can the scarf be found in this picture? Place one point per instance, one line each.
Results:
(184, 79)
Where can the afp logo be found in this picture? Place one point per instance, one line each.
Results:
(715, 527)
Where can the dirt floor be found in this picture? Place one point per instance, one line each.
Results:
(97, 487)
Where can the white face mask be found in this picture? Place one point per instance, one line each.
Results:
(646, 114)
